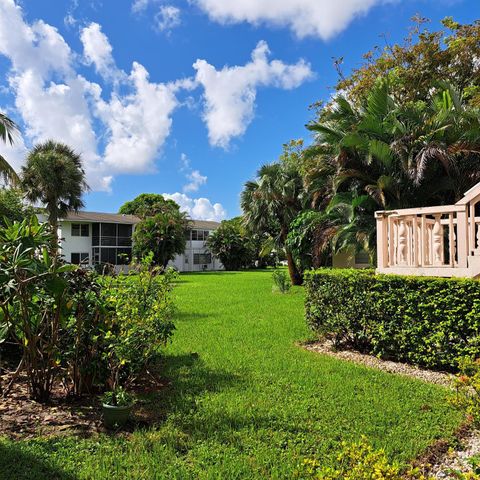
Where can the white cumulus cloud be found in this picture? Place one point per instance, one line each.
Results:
(194, 177)
(317, 18)
(229, 93)
(97, 50)
(198, 208)
(167, 18)
(56, 102)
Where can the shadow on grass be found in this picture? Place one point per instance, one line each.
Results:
(18, 464)
(179, 315)
(189, 378)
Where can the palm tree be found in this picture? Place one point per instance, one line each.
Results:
(54, 176)
(383, 155)
(8, 130)
(271, 202)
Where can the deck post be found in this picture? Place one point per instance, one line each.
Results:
(382, 240)
(462, 238)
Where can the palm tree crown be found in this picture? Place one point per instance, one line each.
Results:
(8, 130)
(54, 176)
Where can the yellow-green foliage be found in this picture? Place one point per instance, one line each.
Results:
(358, 461)
(467, 388)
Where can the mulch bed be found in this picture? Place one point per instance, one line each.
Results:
(23, 418)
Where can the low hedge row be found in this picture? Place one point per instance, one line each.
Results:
(430, 322)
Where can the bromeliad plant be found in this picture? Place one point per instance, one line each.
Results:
(33, 300)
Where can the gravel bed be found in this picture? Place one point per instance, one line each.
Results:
(457, 461)
(326, 347)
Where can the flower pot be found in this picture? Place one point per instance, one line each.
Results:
(114, 416)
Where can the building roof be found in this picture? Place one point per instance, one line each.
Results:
(205, 224)
(83, 216)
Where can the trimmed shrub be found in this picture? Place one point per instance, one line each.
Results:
(430, 322)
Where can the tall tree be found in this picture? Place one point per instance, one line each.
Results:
(232, 244)
(148, 204)
(8, 129)
(424, 58)
(383, 154)
(54, 176)
(274, 199)
(163, 234)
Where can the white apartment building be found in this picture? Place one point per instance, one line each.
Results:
(91, 238)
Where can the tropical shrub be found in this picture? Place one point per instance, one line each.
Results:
(140, 320)
(281, 282)
(12, 206)
(34, 300)
(82, 341)
(163, 235)
(426, 321)
(232, 244)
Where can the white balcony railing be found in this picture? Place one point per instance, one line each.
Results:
(438, 241)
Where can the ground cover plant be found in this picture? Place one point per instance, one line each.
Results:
(432, 322)
(243, 400)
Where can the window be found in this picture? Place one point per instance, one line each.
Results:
(80, 230)
(199, 235)
(205, 234)
(79, 258)
(187, 235)
(202, 258)
(362, 258)
(95, 234)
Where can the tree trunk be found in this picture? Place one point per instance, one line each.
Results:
(53, 220)
(295, 275)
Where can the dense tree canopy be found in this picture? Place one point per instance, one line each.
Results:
(163, 234)
(420, 62)
(147, 205)
(12, 205)
(232, 244)
(385, 155)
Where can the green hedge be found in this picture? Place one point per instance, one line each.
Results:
(425, 321)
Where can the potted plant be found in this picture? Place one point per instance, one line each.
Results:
(116, 407)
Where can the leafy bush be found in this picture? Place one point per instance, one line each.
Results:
(140, 322)
(81, 342)
(426, 321)
(281, 281)
(117, 398)
(34, 301)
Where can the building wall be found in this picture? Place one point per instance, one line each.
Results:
(184, 262)
(347, 259)
(71, 244)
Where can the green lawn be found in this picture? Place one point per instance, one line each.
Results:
(244, 401)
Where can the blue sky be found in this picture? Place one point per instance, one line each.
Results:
(183, 97)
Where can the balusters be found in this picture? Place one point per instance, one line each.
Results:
(402, 243)
(437, 233)
(477, 245)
